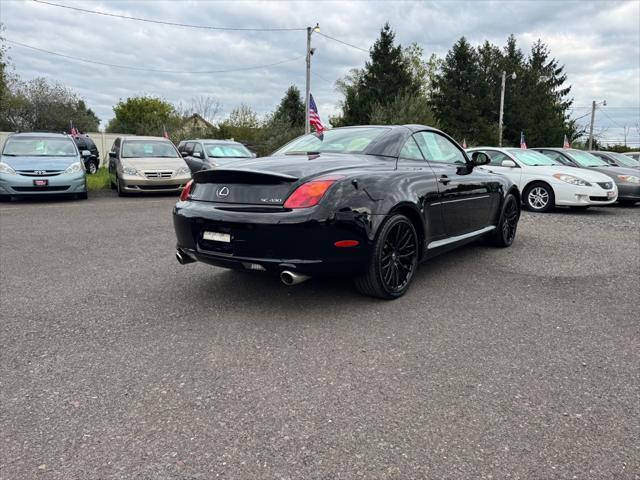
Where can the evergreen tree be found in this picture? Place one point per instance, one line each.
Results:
(290, 112)
(386, 75)
(455, 101)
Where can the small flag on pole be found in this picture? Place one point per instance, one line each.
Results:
(523, 144)
(464, 143)
(165, 134)
(314, 118)
(566, 143)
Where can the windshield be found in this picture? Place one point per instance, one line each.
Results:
(532, 159)
(585, 159)
(148, 148)
(624, 160)
(340, 140)
(226, 150)
(40, 147)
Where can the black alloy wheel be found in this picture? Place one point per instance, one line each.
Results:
(394, 260)
(505, 231)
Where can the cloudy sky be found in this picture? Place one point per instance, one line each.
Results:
(597, 41)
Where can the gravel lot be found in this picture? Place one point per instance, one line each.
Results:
(117, 362)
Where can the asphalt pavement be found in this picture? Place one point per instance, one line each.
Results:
(117, 362)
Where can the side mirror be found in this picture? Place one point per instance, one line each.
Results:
(85, 153)
(253, 155)
(184, 154)
(112, 155)
(479, 158)
(197, 155)
(509, 163)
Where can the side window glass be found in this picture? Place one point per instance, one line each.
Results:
(198, 149)
(411, 151)
(116, 145)
(496, 158)
(437, 148)
(189, 148)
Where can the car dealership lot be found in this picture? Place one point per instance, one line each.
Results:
(117, 362)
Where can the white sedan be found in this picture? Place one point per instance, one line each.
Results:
(544, 183)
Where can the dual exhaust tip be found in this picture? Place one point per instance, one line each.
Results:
(287, 277)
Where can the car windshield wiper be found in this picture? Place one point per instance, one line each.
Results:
(10, 155)
(302, 153)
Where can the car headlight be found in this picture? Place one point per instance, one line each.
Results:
(75, 168)
(182, 171)
(4, 168)
(629, 179)
(563, 177)
(129, 171)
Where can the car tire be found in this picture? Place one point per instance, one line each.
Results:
(82, 196)
(121, 192)
(394, 260)
(92, 167)
(539, 197)
(505, 232)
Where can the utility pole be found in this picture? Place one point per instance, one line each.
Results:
(307, 127)
(593, 116)
(504, 81)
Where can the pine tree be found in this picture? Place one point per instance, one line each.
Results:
(291, 109)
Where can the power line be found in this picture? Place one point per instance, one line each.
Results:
(142, 69)
(162, 22)
(342, 42)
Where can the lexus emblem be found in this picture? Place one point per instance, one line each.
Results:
(222, 192)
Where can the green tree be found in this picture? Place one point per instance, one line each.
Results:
(387, 74)
(144, 116)
(242, 125)
(43, 105)
(290, 111)
(455, 101)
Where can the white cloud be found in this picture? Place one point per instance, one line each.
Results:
(598, 42)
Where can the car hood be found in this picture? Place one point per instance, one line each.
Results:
(39, 162)
(583, 173)
(154, 163)
(305, 166)
(613, 171)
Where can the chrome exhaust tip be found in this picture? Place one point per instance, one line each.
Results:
(291, 278)
(183, 258)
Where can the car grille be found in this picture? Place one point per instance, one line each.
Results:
(600, 199)
(42, 189)
(158, 187)
(606, 185)
(158, 174)
(39, 173)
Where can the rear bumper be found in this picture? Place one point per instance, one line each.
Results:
(19, 185)
(137, 184)
(299, 240)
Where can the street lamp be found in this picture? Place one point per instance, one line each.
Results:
(593, 117)
(504, 81)
(310, 30)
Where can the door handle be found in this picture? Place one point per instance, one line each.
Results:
(444, 179)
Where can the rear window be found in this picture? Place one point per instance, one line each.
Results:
(340, 140)
(148, 148)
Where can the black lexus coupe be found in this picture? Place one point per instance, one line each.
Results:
(369, 202)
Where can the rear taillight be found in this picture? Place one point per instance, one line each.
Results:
(186, 191)
(310, 193)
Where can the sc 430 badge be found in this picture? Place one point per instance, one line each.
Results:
(271, 200)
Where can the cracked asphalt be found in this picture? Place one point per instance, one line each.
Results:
(116, 362)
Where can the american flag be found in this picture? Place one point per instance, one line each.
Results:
(464, 143)
(165, 134)
(314, 118)
(523, 144)
(566, 143)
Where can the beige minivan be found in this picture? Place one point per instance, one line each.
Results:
(145, 165)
